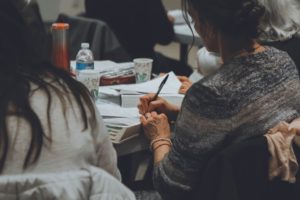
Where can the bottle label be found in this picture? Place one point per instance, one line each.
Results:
(81, 66)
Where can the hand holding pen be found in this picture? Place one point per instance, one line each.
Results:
(155, 125)
(152, 102)
(160, 87)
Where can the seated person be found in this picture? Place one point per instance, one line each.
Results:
(139, 26)
(278, 29)
(255, 88)
(49, 122)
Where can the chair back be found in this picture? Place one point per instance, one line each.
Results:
(103, 42)
(240, 172)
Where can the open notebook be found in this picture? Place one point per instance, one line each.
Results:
(121, 123)
(122, 129)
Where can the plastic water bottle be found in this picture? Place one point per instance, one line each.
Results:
(84, 58)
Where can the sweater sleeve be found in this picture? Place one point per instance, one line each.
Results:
(198, 133)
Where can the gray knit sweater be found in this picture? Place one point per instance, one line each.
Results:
(246, 97)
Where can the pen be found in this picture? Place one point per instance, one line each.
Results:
(160, 87)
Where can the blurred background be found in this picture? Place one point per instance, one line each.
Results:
(51, 9)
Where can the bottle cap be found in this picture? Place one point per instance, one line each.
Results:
(85, 45)
(60, 26)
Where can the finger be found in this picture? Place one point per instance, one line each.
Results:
(144, 105)
(182, 78)
(140, 108)
(143, 120)
(148, 116)
(149, 96)
(185, 83)
(163, 116)
(154, 114)
(155, 105)
(146, 98)
(182, 91)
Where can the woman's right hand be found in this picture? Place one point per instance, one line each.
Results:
(159, 105)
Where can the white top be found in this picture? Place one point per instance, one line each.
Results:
(71, 147)
(207, 62)
(90, 183)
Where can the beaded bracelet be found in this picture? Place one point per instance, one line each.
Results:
(159, 139)
(161, 145)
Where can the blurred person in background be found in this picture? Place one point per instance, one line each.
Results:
(139, 25)
(280, 27)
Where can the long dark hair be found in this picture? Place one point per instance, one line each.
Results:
(20, 67)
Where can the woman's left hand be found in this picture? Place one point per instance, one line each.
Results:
(155, 125)
(185, 86)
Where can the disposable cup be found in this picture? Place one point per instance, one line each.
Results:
(91, 79)
(142, 68)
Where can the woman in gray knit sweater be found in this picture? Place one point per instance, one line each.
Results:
(255, 88)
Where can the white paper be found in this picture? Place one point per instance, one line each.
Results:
(178, 16)
(128, 100)
(122, 121)
(108, 91)
(112, 110)
(171, 86)
(185, 30)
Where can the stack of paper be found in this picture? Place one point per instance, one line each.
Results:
(130, 100)
(123, 121)
(113, 110)
(122, 129)
(130, 94)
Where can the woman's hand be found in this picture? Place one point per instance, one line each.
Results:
(171, 18)
(185, 86)
(155, 126)
(186, 83)
(159, 105)
(183, 79)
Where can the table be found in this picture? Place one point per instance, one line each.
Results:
(110, 101)
(184, 35)
(131, 145)
(134, 157)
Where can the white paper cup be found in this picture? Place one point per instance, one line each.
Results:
(142, 68)
(91, 79)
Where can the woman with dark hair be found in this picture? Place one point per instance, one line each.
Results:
(278, 27)
(48, 121)
(255, 88)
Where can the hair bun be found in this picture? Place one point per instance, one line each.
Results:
(250, 11)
